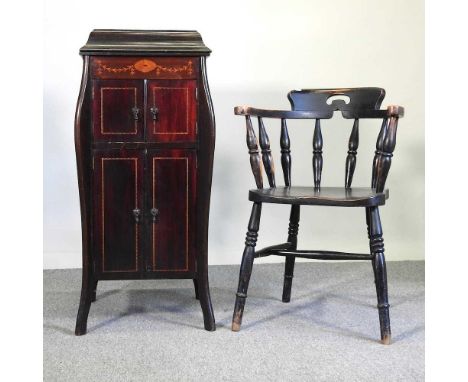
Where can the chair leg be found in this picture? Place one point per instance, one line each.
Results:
(380, 272)
(195, 286)
(246, 265)
(290, 260)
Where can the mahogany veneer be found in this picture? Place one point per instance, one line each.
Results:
(144, 138)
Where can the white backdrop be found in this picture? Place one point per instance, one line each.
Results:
(261, 50)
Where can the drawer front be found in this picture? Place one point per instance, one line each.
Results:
(118, 110)
(171, 111)
(144, 67)
(172, 200)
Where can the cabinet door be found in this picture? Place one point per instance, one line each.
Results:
(118, 210)
(172, 210)
(171, 111)
(118, 107)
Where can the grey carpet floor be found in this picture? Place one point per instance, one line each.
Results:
(153, 330)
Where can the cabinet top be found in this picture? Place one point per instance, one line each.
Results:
(118, 42)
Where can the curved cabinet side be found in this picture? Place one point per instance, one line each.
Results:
(82, 142)
(206, 134)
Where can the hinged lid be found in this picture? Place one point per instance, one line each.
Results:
(116, 42)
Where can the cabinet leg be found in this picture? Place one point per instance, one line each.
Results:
(205, 302)
(93, 297)
(195, 286)
(380, 273)
(87, 289)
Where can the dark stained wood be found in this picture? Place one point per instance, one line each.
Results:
(317, 159)
(397, 111)
(111, 42)
(267, 158)
(384, 152)
(289, 264)
(352, 152)
(326, 99)
(83, 161)
(380, 273)
(118, 209)
(118, 109)
(267, 251)
(252, 145)
(206, 138)
(322, 255)
(320, 104)
(246, 265)
(285, 153)
(171, 112)
(171, 208)
(168, 212)
(149, 67)
(325, 196)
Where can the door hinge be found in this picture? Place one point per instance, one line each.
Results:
(196, 127)
(92, 164)
(196, 93)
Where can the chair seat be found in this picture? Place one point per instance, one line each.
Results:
(325, 196)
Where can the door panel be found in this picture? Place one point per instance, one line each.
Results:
(172, 193)
(118, 182)
(171, 111)
(118, 108)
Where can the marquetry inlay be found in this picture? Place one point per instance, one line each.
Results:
(186, 210)
(135, 161)
(145, 66)
(186, 111)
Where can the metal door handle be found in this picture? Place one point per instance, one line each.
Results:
(136, 113)
(154, 112)
(136, 215)
(154, 214)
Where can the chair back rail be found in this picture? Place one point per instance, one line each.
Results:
(321, 104)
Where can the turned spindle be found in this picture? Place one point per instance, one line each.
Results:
(317, 161)
(266, 153)
(352, 152)
(285, 153)
(252, 145)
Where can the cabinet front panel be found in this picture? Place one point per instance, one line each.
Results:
(171, 111)
(118, 108)
(172, 198)
(118, 182)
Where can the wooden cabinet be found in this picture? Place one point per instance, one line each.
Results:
(144, 137)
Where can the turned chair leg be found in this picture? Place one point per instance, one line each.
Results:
(195, 286)
(290, 260)
(380, 272)
(246, 265)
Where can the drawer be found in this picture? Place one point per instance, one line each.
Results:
(103, 67)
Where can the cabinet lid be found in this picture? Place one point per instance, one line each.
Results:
(118, 42)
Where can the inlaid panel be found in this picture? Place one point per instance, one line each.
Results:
(144, 67)
(171, 111)
(118, 108)
(172, 208)
(118, 183)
